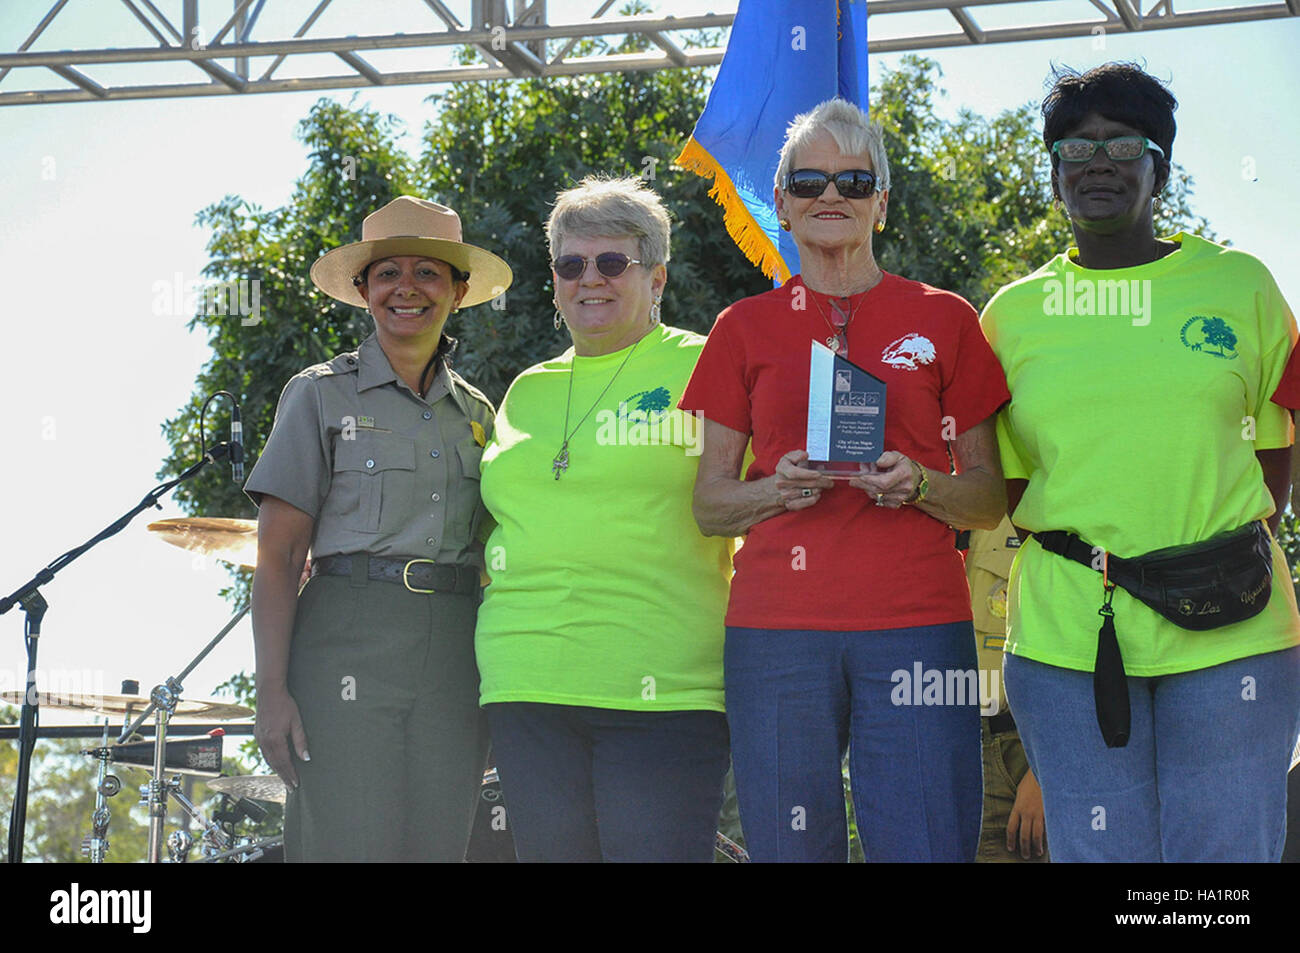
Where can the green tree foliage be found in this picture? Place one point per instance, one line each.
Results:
(499, 152)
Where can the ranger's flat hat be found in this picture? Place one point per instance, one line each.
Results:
(410, 226)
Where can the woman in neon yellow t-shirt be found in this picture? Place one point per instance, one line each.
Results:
(1140, 371)
(600, 637)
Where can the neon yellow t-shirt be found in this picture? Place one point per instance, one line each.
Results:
(1138, 399)
(604, 593)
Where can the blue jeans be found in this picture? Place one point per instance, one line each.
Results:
(1203, 777)
(590, 784)
(796, 700)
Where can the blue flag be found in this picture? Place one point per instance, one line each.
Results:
(784, 57)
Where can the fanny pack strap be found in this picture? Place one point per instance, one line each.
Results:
(1109, 683)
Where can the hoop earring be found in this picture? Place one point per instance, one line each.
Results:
(654, 313)
(559, 319)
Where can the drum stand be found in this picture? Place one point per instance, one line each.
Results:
(162, 704)
(106, 785)
(180, 843)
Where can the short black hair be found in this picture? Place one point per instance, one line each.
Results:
(456, 274)
(1122, 92)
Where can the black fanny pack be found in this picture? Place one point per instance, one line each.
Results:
(1197, 586)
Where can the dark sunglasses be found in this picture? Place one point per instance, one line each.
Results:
(611, 264)
(1120, 149)
(811, 183)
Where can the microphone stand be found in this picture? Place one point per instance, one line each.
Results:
(34, 605)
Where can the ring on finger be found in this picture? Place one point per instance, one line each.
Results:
(805, 492)
(880, 499)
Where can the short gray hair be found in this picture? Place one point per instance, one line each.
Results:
(853, 132)
(612, 208)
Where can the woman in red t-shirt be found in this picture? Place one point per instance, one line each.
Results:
(849, 623)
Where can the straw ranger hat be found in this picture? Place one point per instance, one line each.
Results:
(410, 226)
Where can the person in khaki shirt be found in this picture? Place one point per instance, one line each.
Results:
(367, 689)
(1013, 827)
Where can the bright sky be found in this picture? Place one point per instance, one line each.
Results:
(99, 205)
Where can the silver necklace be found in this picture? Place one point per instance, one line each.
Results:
(560, 462)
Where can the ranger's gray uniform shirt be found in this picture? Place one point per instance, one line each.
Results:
(380, 469)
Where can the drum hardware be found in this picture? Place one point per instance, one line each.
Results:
(233, 541)
(266, 850)
(95, 844)
(164, 701)
(92, 732)
(199, 756)
(179, 843)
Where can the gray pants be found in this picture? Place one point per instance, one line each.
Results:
(387, 687)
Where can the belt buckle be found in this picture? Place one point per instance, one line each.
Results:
(407, 568)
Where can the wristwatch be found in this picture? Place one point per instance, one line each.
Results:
(922, 483)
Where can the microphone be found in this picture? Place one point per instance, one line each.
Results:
(236, 447)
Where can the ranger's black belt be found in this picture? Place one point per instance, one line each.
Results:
(416, 574)
(1001, 722)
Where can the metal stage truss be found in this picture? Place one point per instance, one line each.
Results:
(232, 51)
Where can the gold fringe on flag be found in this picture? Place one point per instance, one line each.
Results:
(744, 231)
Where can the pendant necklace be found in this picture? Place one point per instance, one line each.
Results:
(560, 462)
(838, 340)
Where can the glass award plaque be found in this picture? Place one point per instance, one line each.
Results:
(846, 415)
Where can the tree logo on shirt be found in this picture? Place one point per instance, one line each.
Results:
(1210, 336)
(648, 419)
(909, 352)
(648, 405)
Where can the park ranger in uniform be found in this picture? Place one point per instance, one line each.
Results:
(1013, 826)
(367, 685)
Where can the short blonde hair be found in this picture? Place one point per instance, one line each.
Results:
(853, 132)
(612, 208)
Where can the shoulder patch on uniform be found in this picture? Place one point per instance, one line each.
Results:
(1013, 542)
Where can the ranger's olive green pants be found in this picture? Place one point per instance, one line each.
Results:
(1005, 765)
(387, 688)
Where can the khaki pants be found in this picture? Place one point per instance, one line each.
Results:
(1004, 767)
(387, 687)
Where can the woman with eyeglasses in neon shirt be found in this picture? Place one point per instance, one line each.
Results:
(600, 637)
(849, 594)
(1159, 707)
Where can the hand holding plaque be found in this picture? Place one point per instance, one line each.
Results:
(846, 415)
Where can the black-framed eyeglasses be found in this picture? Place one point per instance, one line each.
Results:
(850, 183)
(1120, 149)
(611, 264)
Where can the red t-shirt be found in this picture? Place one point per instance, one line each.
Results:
(846, 564)
(1288, 388)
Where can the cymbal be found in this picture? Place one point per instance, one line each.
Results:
(230, 540)
(132, 704)
(258, 787)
